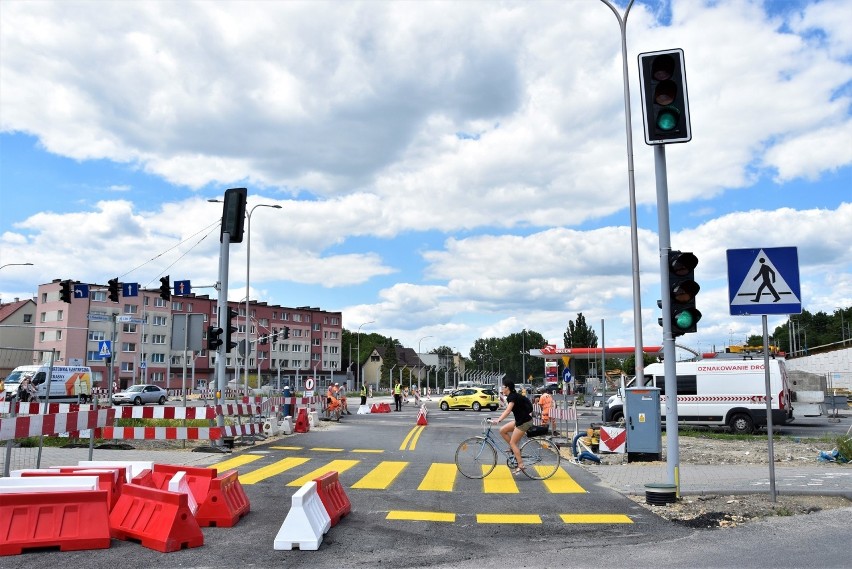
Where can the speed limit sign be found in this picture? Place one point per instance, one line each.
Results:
(309, 384)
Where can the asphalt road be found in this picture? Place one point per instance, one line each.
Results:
(385, 462)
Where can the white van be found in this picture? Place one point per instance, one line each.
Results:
(69, 383)
(719, 393)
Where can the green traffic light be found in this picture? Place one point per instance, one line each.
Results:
(668, 118)
(684, 320)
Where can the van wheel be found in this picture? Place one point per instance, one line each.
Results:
(617, 417)
(741, 424)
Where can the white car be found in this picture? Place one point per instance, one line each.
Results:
(141, 394)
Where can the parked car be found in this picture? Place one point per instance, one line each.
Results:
(552, 388)
(141, 394)
(470, 398)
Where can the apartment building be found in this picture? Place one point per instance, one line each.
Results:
(143, 349)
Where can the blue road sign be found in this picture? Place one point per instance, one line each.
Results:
(104, 349)
(81, 290)
(182, 287)
(764, 281)
(129, 289)
(566, 375)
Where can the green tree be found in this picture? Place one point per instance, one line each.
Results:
(390, 360)
(578, 334)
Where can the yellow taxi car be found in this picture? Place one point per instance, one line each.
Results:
(470, 398)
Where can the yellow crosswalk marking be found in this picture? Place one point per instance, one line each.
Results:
(595, 519)
(381, 476)
(286, 448)
(500, 481)
(369, 450)
(562, 483)
(324, 449)
(421, 516)
(440, 478)
(508, 519)
(235, 462)
(268, 471)
(338, 465)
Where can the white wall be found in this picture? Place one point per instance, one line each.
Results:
(836, 366)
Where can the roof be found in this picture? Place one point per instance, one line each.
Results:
(405, 356)
(8, 309)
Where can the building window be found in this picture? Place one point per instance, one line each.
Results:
(315, 357)
(129, 328)
(156, 377)
(158, 338)
(98, 296)
(158, 358)
(296, 348)
(177, 306)
(130, 308)
(159, 320)
(92, 355)
(316, 342)
(127, 366)
(59, 315)
(41, 336)
(97, 335)
(160, 302)
(43, 297)
(297, 318)
(285, 316)
(176, 360)
(28, 318)
(58, 335)
(316, 327)
(128, 347)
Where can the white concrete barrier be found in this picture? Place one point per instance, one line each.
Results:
(364, 410)
(134, 467)
(37, 484)
(306, 522)
(313, 418)
(270, 427)
(286, 425)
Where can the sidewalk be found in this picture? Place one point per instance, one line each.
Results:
(824, 479)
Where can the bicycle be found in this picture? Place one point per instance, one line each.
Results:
(476, 457)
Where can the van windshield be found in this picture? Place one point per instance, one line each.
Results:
(15, 377)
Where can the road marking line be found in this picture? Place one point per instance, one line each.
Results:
(324, 449)
(508, 519)
(286, 448)
(440, 478)
(271, 470)
(421, 516)
(416, 429)
(368, 450)
(381, 476)
(235, 462)
(562, 483)
(595, 519)
(338, 465)
(500, 481)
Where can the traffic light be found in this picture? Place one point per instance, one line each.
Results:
(264, 340)
(66, 291)
(230, 329)
(665, 104)
(682, 292)
(285, 333)
(234, 214)
(214, 338)
(275, 336)
(113, 289)
(165, 288)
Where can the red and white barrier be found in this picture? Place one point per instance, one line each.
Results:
(134, 412)
(36, 425)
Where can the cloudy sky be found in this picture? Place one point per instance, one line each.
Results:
(449, 170)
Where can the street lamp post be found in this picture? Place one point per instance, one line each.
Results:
(420, 369)
(358, 352)
(16, 265)
(248, 276)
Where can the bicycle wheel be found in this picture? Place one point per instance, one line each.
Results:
(541, 458)
(476, 457)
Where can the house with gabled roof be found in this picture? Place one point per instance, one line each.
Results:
(17, 334)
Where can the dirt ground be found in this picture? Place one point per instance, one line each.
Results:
(728, 511)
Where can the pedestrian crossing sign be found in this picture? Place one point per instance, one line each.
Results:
(104, 349)
(764, 281)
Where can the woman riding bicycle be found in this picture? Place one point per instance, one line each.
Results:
(513, 431)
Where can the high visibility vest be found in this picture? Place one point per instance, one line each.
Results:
(363, 391)
(398, 389)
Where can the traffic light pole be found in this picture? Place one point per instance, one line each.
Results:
(222, 322)
(669, 355)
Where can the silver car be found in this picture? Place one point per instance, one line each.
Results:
(141, 394)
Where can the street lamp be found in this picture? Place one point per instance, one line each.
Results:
(16, 265)
(248, 275)
(358, 354)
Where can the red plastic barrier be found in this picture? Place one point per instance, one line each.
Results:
(120, 478)
(197, 477)
(225, 503)
(386, 408)
(158, 519)
(421, 419)
(334, 499)
(302, 424)
(70, 521)
(106, 480)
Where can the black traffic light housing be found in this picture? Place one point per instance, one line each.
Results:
(113, 286)
(285, 333)
(165, 288)
(275, 336)
(234, 214)
(665, 102)
(214, 338)
(66, 291)
(230, 329)
(682, 292)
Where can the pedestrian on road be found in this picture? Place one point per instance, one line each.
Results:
(397, 396)
(363, 394)
(512, 432)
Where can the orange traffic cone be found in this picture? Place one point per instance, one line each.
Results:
(421, 418)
